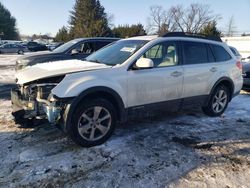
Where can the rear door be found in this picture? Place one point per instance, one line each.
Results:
(199, 68)
(9, 48)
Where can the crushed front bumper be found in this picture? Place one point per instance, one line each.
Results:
(22, 109)
(52, 112)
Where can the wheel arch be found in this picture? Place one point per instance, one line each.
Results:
(226, 82)
(96, 92)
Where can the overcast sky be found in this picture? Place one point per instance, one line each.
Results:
(47, 16)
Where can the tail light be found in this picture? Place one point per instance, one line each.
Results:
(239, 65)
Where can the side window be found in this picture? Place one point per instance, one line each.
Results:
(85, 48)
(196, 52)
(210, 54)
(100, 44)
(154, 52)
(220, 53)
(163, 55)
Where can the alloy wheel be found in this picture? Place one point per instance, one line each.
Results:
(94, 123)
(219, 101)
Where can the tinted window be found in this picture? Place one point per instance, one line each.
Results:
(196, 52)
(220, 53)
(100, 44)
(210, 54)
(85, 48)
(66, 46)
(163, 55)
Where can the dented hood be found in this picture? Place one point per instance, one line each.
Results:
(57, 68)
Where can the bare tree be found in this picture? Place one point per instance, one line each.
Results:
(158, 21)
(191, 19)
(231, 28)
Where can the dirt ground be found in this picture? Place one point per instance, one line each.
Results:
(184, 149)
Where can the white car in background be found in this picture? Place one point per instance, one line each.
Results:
(88, 98)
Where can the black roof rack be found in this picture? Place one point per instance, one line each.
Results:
(192, 35)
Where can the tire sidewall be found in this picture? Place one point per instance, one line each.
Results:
(20, 52)
(73, 128)
(210, 106)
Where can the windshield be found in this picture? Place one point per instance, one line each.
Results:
(66, 46)
(117, 52)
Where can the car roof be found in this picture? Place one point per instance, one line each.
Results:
(145, 37)
(96, 38)
(156, 37)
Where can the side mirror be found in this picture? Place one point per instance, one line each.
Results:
(144, 63)
(74, 52)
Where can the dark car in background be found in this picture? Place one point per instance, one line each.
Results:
(74, 49)
(35, 47)
(12, 48)
(246, 76)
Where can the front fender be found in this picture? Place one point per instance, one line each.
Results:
(72, 87)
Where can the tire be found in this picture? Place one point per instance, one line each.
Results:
(93, 122)
(20, 52)
(218, 102)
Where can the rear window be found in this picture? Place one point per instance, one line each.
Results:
(197, 52)
(220, 53)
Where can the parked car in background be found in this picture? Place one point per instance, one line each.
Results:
(12, 48)
(246, 60)
(74, 49)
(235, 52)
(35, 47)
(55, 45)
(87, 98)
(246, 76)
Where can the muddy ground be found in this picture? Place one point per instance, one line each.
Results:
(184, 149)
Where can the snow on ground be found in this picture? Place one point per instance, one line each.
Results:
(184, 149)
(7, 69)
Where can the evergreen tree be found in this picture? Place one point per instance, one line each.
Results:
(8, 30)
(88, 19)
(124, 31)
(210, 29)
(62, 35)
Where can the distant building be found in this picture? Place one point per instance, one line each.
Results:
(242, 44)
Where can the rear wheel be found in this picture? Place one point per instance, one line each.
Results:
(20, 52)
(218, 102)
(93, 123)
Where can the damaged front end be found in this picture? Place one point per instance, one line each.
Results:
(33, 100)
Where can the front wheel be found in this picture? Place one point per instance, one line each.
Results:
(93, 123)
(218, 102)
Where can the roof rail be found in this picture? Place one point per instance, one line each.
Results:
(192, 35)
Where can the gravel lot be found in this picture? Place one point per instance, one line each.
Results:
(184, 149)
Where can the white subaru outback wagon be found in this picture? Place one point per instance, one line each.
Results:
(87, 98)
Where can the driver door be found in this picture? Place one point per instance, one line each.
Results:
(161, 83)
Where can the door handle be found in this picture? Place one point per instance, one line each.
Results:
(213, 69)
(176, 74)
